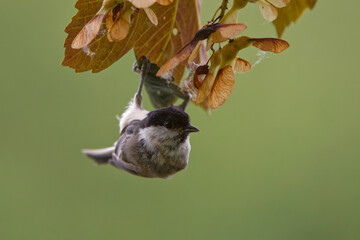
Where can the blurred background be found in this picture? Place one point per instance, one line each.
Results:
(280, 160)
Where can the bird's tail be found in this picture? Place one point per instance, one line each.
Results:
(101, 155)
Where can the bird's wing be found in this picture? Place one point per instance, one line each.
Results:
(120, 157)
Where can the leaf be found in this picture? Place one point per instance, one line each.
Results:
(291, 13)
(158, 43)
(222, 88)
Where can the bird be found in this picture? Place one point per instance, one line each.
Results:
(152, 144)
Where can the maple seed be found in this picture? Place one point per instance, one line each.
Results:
(227, 31)
(119, 30)
(88, 32)
(274, 45)
(241, 65)
(205, 87)
(202, 34)
(222, 88)
(203, 69)
(151, 15)
(142, 3)
(164, 2)
(267, 8)
(279, 3)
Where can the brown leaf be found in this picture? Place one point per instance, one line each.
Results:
(291, 13)
(158, 43)
(241, 65)
(222, 88)
(270, 44)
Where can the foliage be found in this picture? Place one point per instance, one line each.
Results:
(168, 32)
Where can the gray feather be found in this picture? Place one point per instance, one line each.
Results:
(101, 155)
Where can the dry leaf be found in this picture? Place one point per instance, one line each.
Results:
(270, 44)
(222, 88)
(291, 13)
(241, 65)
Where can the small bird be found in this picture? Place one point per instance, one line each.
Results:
(152, 144)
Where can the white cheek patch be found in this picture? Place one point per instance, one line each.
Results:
(153, 135)
(155, 139)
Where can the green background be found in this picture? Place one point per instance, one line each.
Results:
(280, 160)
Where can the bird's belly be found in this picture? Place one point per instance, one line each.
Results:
(165, 165)
(164, 160)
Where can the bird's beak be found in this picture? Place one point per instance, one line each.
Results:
(191, 128)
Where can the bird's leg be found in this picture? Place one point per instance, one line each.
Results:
(135, 67)
(145, 67)
(186, 100)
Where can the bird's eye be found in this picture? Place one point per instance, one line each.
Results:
(166, 124)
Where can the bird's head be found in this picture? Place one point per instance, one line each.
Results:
(171, 118)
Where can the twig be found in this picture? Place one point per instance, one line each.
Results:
(223, 8)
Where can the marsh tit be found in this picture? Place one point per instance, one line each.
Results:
(152, 144)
